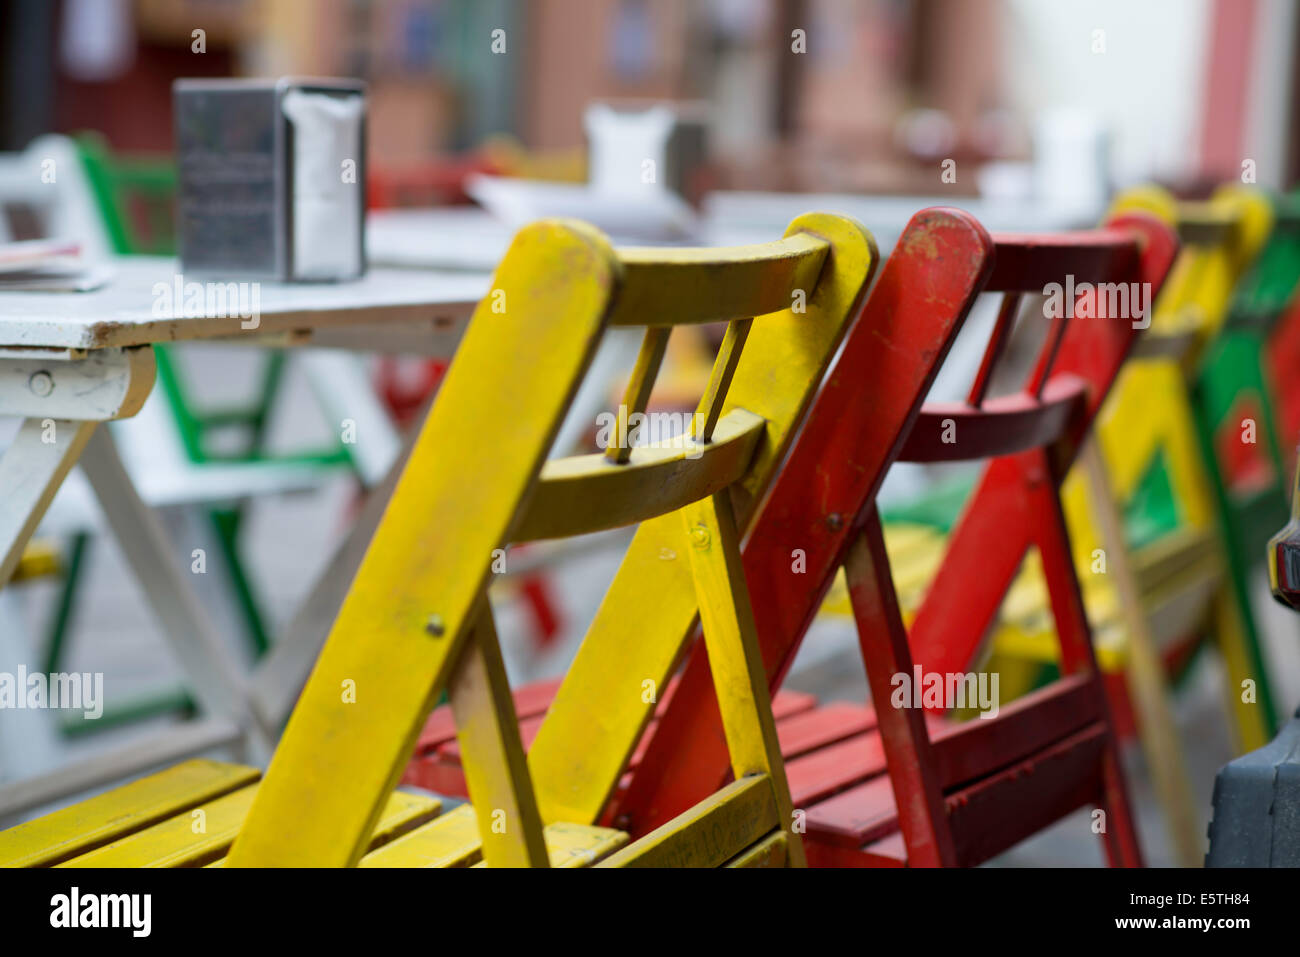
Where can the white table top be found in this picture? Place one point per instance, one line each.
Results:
(468, 237)
(133, 310)
(452, 237)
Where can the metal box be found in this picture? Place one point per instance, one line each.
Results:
(271, 178)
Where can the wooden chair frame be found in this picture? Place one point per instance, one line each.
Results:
(417, 619)
(944, 817)
(1182, 579)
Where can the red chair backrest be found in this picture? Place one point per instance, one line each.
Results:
(861, 422)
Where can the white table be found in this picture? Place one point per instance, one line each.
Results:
(471, 238)
(71, 361)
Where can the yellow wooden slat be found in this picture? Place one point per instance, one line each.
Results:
(411, 605)
(453, 841)
(665, 286)
(449, 841)
(492, 753)
(579, 845)
(1251, 727)
(612, 685)
(724, 371)
(637, 395)
(587, 493)
(403, 812)
(98, 820)
(708, 834)
(769, 852)
(731, 638)
(192, 838)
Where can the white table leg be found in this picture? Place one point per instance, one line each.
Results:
(31, 471)
(343, 390)
(208, 663)
(29, 740)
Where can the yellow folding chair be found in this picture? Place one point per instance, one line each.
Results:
(417, 619)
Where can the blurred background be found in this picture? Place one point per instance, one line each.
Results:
(1182, 90)
(1030, 113)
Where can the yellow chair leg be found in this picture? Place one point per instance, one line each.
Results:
(1145, 674)
(492, 754)
(1250, 725)
(732, 642)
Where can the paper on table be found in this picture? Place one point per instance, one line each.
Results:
(33, 253)
(76, 278)
(326, 210)
(48, 265)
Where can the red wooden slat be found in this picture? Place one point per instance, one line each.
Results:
(1027, 263)
(887, 852)
(826, 771)
(818, 774)
(964, 751)
(1004, 425)
(988, 817)
(824, 854)
(530, 699)
(858, 816)
(788, 703)
(435, 775)
(811, 730)
(1002, 810)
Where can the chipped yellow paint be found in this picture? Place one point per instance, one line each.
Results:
(579, 845)
(452, 841)
(98, 820)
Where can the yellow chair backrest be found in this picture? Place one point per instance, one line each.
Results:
(417, 620)
(1149, 413)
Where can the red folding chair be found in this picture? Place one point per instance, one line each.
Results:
(966, 791)
(957, 793)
